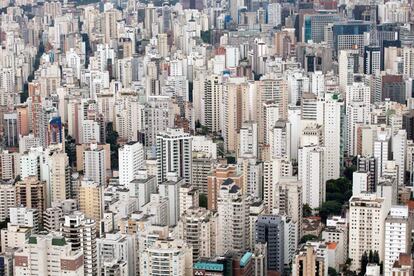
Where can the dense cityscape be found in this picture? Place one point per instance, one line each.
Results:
(206, 137)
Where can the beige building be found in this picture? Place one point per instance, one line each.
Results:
(90, 200)
(236, 110)
(59, 173)
(308, 262)
(7, 199)
(216, 178)
(31, 193)
(198, 228)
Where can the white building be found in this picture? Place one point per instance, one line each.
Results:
(397, 236)
(381, 149)
(198, 228)
(131, 160)
(248, 140)
(24, 217)
(360, 182)
(367, 215)
(48, 255)
(206, 145)
(233, 218)
(94, 164)
(142, 187)
(332, 136)
(115, 247)
(311, 173)
(174, 154)
(173, 256)
(170, 189)
(279, 140)
(399, 148)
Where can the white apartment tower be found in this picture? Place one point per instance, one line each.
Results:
(94, 164)
(174, 154)
(311, 173)
(367, 214)
(131, 160)
(233, 218)
(213, 91)
(399, 148)
(173, 256)
(198, 228)
(332, 136)
(381, 149)
(248, 139)
(397, 236)
(279, 140)
(48, 255)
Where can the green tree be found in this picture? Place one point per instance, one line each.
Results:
(202, 200)
(332, 272)
(307, 210)
(112, 140)
(307, 238)
(70, 149)
(364, 263)
(330, 208)
(206, 36)
(375, 257)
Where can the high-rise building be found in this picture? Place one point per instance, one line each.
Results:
(115, 248)
(213, 94)
(189, 198)
(311, 260)
(31, 193)
(48, 255)
(52, 219)
(80, 233)
(382, 145)
(279, 140)
(110, 18)
(174, 256)
(94, 164)
(217, 177)
(399, 148)
(273, 171)
(397, 236)
(248, 145)
(170, 189)
(349, 65)
(25, 217)
(91, 200)
(7, 199)
(270, 230)
(58, 177)
(202, 166)
(373, 62)
(198, 228)
(332, 136)
(311, 173)
(367, 215)
(174, 155)
(9, 165)
(369, 165)
(142, 187)
(233, 218)
(289, 202)
(131, 160)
